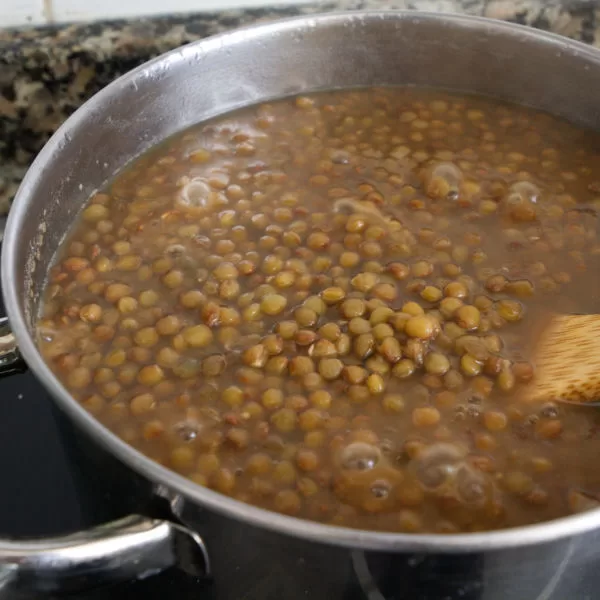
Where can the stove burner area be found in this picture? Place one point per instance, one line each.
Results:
(559, 574)
(398, 577)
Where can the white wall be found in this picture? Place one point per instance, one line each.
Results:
(39, 12)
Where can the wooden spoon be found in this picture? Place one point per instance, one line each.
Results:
(567, 360)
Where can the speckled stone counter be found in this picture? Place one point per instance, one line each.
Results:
(46, 73)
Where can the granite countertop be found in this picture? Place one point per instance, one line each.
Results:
(46, 73)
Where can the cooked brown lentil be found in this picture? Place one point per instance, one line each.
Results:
(323, 306)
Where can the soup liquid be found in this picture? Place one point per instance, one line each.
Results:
(326, 306)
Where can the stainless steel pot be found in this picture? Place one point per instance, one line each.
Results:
(208, 78)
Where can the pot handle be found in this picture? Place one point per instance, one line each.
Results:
(131, 548)
(11, 361)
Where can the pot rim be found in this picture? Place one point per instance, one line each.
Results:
(329, 534)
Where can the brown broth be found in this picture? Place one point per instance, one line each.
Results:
(325, 306)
